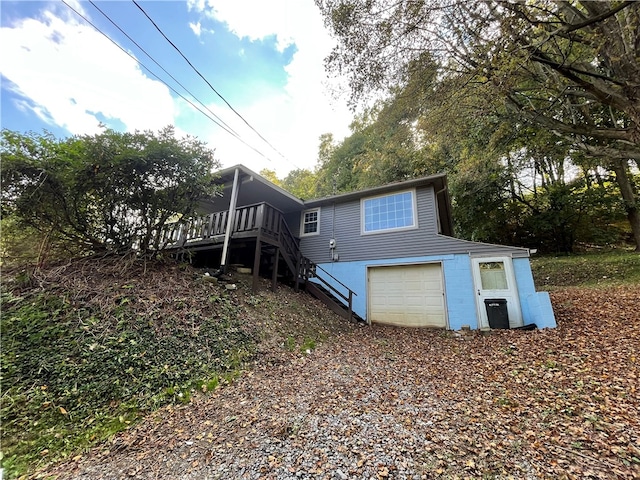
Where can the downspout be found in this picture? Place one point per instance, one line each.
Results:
(232, 211)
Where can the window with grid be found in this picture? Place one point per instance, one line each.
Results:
(388, 212)
(310, 222)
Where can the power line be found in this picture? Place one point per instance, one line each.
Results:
(206, 81)
(161, 67)
(236, 136)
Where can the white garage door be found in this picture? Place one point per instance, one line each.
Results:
(407, 295)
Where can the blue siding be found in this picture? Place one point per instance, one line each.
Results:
(536, 306)
(460, 302)
(459, 288)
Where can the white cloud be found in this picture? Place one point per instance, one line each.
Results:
(196, 28)
(71, 74)
(292, 120)
(266, 18)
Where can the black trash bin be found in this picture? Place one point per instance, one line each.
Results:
(497, 312)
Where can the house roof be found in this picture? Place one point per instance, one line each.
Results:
(254, 188)
(438, 181)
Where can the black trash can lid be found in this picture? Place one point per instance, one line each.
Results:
(500, 301)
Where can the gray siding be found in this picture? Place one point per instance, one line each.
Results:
(342, 222)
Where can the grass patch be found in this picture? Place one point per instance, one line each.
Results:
(588, 269)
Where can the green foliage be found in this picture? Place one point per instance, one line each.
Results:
(557, 217)
(271, 176)
(306, 345)
(510, 183)
(107, 192)
(336, 170)
(72, 376)
(302, 183)
(560, 65)
(290, 343)
(588, 269)
(538, 86)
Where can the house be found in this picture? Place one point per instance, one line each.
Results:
(385, 254)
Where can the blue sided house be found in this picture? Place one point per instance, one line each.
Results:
(384, 255)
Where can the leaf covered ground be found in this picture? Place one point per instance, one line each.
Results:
(380, 402)
(90, 346)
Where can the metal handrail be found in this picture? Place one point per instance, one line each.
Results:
(342, 284)
(308, 265)
(332, 288)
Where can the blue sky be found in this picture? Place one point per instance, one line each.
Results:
(264, 58)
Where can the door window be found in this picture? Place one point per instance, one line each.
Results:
(493, 276)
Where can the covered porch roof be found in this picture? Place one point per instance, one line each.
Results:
(253, 188)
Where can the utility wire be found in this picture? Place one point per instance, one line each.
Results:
(161, 67)
(169, 86)
(206, 81)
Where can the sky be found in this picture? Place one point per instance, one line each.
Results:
(263, 58)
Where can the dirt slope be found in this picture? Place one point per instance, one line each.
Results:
(378, 402)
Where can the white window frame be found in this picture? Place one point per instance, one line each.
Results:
(302, 222)
(414, 212)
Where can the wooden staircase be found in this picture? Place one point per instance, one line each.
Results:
(303, 270)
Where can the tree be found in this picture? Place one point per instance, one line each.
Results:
(111, 192)
(336, 163)
(302, 183)
(510, 182)
(271, 176)
(569, 67)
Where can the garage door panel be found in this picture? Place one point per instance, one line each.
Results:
(434, 285)
(409, 295)
(394, 303)
(410, 302)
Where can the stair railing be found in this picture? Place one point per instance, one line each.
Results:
(308, 270)
(290, 248)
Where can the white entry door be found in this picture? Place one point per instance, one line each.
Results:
(494, 279)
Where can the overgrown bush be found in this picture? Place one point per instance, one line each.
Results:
(108, 192)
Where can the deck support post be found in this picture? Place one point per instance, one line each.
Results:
(274, 277)
(256, 264)
(297, 273)
(350, 305)
(232, 210)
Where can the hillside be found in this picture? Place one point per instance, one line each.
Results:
(205, 382)
(91, 346)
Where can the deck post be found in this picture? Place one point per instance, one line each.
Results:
(256, 262)
(298, 269)
(274, 277)
(232, 209)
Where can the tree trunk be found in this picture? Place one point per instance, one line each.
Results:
(629, 197)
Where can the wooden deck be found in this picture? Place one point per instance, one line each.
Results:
(265, 225)
(208, 231)
(260, 222)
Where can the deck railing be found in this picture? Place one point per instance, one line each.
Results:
(247, 218)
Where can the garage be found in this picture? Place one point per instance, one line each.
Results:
(407, 295)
